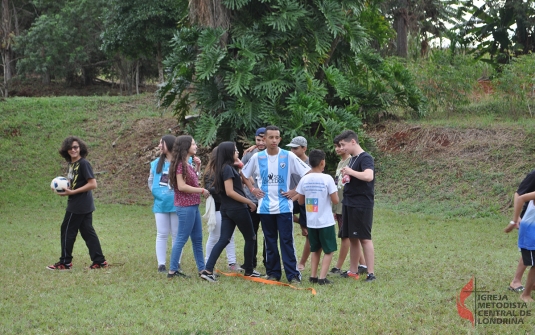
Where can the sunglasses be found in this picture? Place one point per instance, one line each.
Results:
(74, 147)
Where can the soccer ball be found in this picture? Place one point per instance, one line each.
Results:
(59, 184)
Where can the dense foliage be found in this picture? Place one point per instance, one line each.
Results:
(302, 65)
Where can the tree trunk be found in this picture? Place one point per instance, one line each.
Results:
(160, 62)
(5, 44)
(400, 25)
(137, 77)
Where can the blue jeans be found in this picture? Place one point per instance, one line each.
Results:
(229, 220)
(275, 226)
(190, 225)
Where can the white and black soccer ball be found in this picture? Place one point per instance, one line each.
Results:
(59, 184)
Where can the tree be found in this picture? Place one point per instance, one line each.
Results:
(140, 29)
(426, 19)
(303, 65)
(14, 18)
(500, 29)
(64, 41)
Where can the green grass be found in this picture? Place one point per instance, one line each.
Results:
(422, 264)
(429, 241)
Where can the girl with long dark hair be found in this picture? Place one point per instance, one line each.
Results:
(233, 209)
(185, 182)
(164, 200)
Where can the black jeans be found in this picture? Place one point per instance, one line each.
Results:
(255, 218)
(72, 223)
(230, 219)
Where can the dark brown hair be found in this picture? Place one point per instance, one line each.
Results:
(169, 140)
(67, 144)
(180, 155)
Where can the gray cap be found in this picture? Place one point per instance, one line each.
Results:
(298, 141)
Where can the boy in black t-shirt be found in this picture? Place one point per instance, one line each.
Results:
(357, 210)
(80, 207)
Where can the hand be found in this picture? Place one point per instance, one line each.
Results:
(251, 148)
(290, 194)
(347, 170)
(258, 193)
(304, 231)
(66, 192)
(511, 226)
(197, 162)
(205, 193)
(252, 207)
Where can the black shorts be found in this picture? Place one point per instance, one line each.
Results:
(528, 256)
(357, 222)
(322, 238)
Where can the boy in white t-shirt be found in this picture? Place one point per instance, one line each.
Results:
(317, 190)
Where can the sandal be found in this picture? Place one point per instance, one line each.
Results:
(516, 289)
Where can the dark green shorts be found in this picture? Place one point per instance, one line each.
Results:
(322, 238)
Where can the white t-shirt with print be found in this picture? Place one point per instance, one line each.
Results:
(317, 189)
(273, 177)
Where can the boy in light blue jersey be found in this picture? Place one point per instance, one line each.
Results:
(272, 168)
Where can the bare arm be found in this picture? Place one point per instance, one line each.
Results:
(183, 187)
(334, 198)
(366, 175)
(300, 199)
(91, 185)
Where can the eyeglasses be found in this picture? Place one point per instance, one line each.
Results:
(74, 147)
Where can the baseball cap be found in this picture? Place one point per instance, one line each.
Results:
(298, 141)
(260, 131)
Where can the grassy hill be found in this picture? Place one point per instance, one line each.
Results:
(444, 191)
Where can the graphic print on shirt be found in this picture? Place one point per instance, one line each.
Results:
(312, 205)
(273, 175)
(72, 176)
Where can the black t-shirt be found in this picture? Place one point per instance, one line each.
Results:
(79, 172)
(359, 193)
(227, 202)
(526, 186)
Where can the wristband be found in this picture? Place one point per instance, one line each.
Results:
(511, 222)
(253, 189)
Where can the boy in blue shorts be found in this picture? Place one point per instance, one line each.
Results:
(316, 191)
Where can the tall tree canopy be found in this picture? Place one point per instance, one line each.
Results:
(302, 65)
(501, 29)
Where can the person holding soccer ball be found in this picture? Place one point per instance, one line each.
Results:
(80, 207)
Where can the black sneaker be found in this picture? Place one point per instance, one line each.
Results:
(60, 266)
(313, 280)
(295, 281)
(102, 265)
(271, 277)
(209, 277)
(371, 277)
(253, 274)
(161, 268)
(324, 281)
(178, 273)
(336, 271)
(362, 270)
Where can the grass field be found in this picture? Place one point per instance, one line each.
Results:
(422, 260)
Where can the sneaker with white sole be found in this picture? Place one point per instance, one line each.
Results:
(209, 277)
(254, 274)
(362, 270)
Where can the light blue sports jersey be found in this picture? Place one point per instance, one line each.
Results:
(274, 178)
(526, 232)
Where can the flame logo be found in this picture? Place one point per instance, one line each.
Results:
(463, 311)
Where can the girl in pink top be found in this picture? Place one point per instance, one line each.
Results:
(185, 182)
